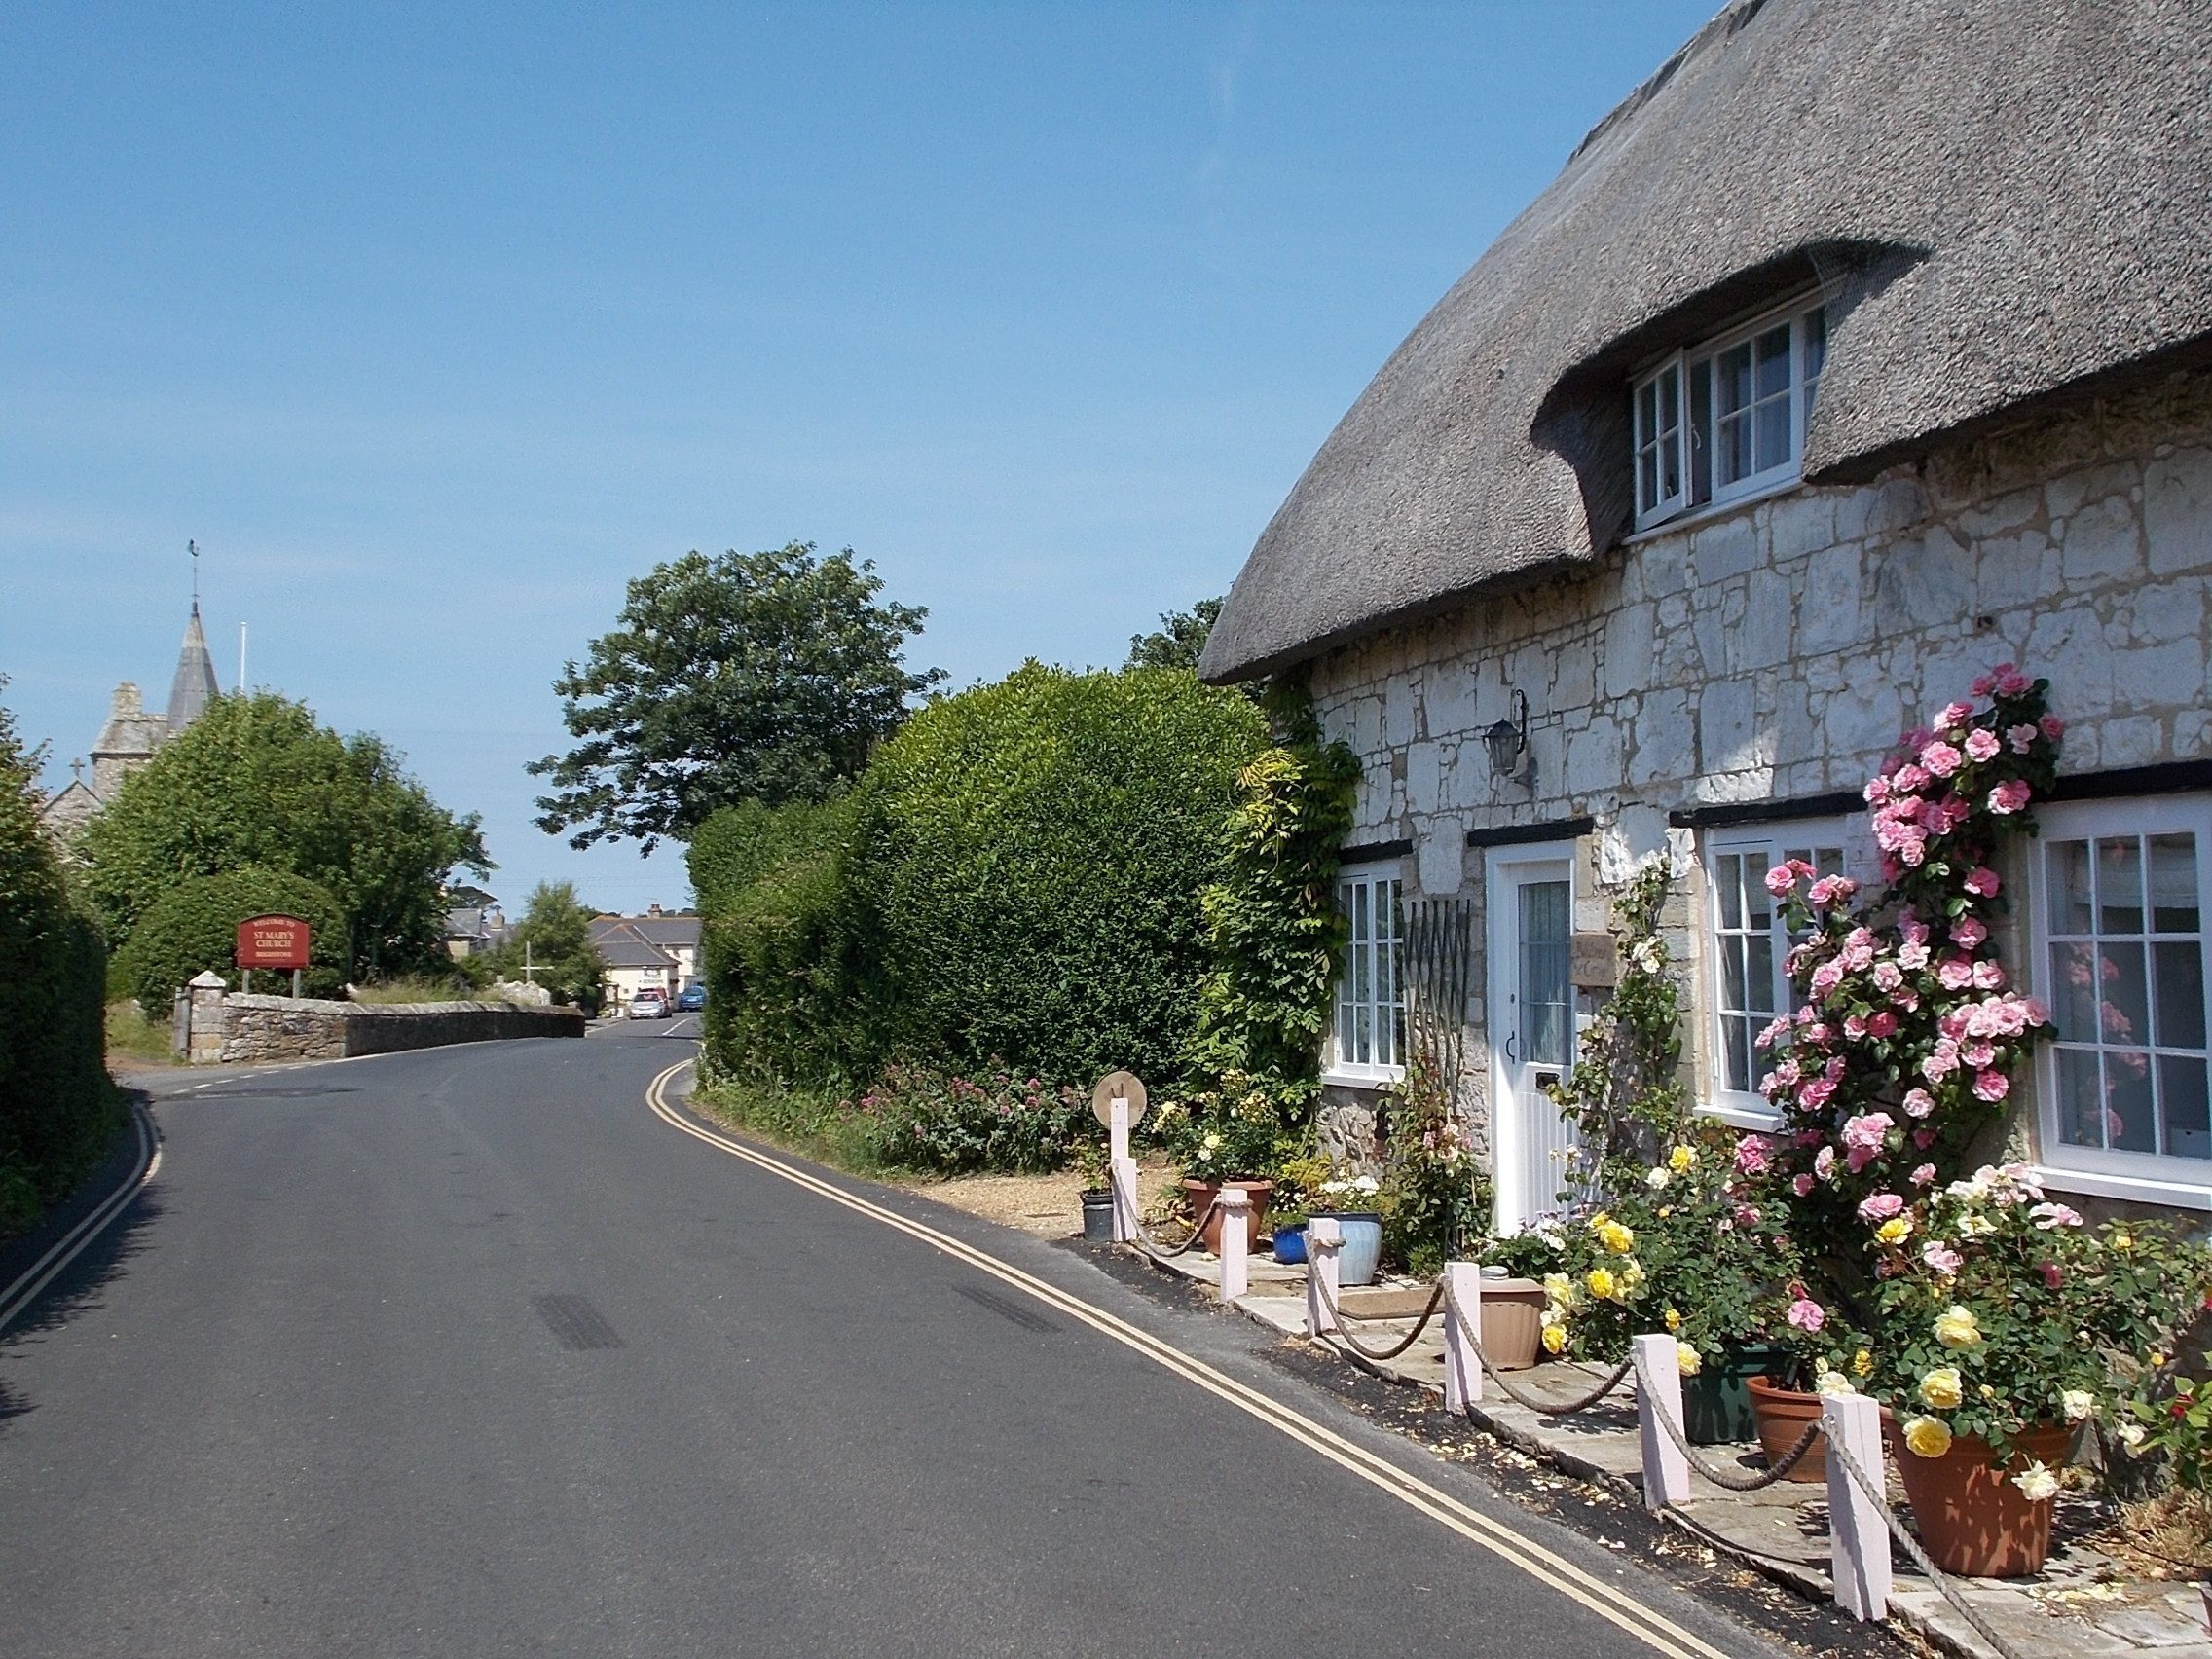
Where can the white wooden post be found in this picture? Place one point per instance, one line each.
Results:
(1858, 1538)
(1121, 1171)
(1324, 1238)
(1463, 1330)
(1659, 1389)
(1235, 1224)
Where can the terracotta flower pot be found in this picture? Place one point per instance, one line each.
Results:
(1973, 1521)
(1513, 1322)
(1780, 1416)
(1201, 1194)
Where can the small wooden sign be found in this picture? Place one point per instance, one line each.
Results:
(1591, 962)
(273, 941)
(1128, 1087)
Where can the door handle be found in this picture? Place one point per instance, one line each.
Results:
(1512, 1058)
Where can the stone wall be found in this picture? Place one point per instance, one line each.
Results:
(281, 1028)
(1778, 651)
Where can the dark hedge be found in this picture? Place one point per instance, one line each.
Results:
(194, 927)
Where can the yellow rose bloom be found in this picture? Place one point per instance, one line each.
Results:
(1615, 1236)
(1687, 1360)
(1680, 1160)
(1863, 1363)
(1554, 1339)
(1674, 1320)
(1895, 1230)
(1927, 1437)
(1956, 1327)
(1601, 1283)
(2124, 1242)
(1944, 1389)
(1559, 1287)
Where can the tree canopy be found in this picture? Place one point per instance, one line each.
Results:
(554, 940)
(257, 780)
(763, 677)
(1179, 639)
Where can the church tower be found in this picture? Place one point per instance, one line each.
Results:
(195, 681)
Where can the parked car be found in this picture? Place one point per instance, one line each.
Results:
(649, 1004)
(691, 999)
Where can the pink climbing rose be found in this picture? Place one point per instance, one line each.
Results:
(2009, 796)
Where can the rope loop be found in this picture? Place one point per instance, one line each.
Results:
(1338, 1315)
(1535, 1402)
(1170, 1252)
(1736, 1480)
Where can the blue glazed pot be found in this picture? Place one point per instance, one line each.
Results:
(1290, 1244)
(1362, 1251)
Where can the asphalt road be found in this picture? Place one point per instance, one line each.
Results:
(466, 1353)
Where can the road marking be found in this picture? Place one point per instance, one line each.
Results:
(1541, 1563)
(66, 1250)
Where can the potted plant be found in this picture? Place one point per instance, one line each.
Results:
(1347, 1201)
(1296, 1182)
(1097, 1197)
(1235, 1141)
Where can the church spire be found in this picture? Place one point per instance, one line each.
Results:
(195, 680)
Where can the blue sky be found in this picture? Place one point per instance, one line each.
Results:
(435, 326)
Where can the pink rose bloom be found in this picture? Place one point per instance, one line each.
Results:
(2011, 681)
(1877, 790)
(1918, 1103)
(2052, 727)
(1780, 879)
(1823, 1163)
(1954, 973)
(1922, 1139)
(1826, 978)
(1910, 779)
(1941, 1257)
(1941, 760)
(1815, 1093)
(2052, 1275)
(1887, 977)
(1752, 1154)
(1982, 682)
(1923, 1175)
(1867, 1130)
(1982, 744)
(1880, 1207)
(1807, 1315)
(2008, 798)
(2023, 738)
(2049, 1217)
(1906, 1000)
(1955, 713)
(1991, 1086)
(1912, 956)
(1883, 1024)
(1854, 1027)
(1968, 933)
(2035, 1012)
(1800, 1184)
(1747, 1215)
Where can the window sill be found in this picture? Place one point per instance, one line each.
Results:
(1764, 1120)
(1365, 1076)
(1711, 510)
(2137, 1189)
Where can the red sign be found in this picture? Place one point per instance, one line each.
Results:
(273, 941)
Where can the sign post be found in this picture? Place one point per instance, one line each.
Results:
(271, 941)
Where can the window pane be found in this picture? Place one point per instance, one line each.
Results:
(2126, 1011)
(1759, 974)
(1646, 412)
(1732, 972)
(2073, 987)
(1758, 902)
(2182, 1104)
(1647, 481)
(2179, 974)
(1728, 889)
(1732, 373)
(1774, 446)
(1816, 344)
(2129, 1121)
(2173, 884)
(2081, 1098)
(1773, 362)
(1544, 931)
(1670, 465)
(1733, 453)
(2069, 879)
(1735, 1054)
(2119, 886)
(1701, 432)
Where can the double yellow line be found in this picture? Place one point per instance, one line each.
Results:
(1472, 1524)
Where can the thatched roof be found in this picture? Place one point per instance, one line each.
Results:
(2005, 200)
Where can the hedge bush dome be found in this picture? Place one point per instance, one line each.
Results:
(193, 928)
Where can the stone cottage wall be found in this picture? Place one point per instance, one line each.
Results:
(1779, 651)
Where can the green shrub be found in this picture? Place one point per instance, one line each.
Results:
(1031, 855)
(193, 927)
(58, 1113)
(950, 1125)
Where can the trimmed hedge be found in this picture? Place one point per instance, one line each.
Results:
(58, 1113)
(193, 927)
(1031, 855)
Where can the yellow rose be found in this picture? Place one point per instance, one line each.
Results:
(1673, 1319)
(1687, 1360)
(1927, 1437)
(1956, 1327)
(1942, 1388)
(1554, 1339)
(1601, 1283)
(2124, 1242)
(1680, 1160)
(1559, 1287)
(1895, 1230)
(1863, 1363)
(1631, 1275)
(1615, 1236)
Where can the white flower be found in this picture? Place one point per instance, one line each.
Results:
(2078, 1403)
(2132, 1435)
(2036, 1482)
(1834, 1382)
(1366, 1184)
(1657, 1177)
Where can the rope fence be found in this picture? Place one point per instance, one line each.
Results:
(1533, 1402)
(1167, 1253)
(1339, 1316)
(1734, 1480)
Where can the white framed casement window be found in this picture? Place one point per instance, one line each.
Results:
(1725, 421)
(1747, 945)
(2117, 896)
(1367, 1043)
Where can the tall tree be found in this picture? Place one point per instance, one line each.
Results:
(743, 676)
(553, 940)
(257, 779)
(1179, 639)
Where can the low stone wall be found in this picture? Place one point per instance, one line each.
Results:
(281, 1028)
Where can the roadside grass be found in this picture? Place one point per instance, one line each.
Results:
(132, 1036)
(417, 988)
(815, 1125)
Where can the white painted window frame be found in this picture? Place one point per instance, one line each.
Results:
(1700, 446)
(1342, 998)
(2160, 1178)
(1777, 839)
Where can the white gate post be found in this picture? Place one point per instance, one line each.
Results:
(1463, 1330)
(1324, 1238)
(1121, 1170)
(1236, 1223)
(1659, 1389)
(1858, 1538)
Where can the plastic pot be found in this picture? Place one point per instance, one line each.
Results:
(1099, 1215)
(1362, 1251)
(1290, 1244)
(1716, 1403)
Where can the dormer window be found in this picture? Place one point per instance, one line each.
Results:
(1727, 419)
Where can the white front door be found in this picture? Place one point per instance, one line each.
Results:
(1530, 902)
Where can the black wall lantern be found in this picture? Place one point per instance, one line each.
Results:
(1508, 740)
